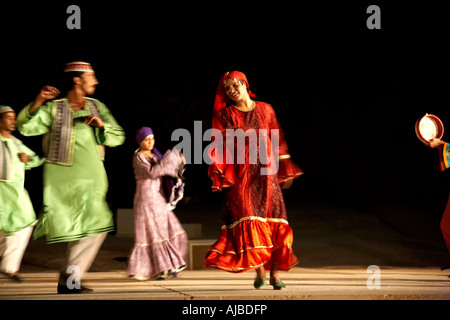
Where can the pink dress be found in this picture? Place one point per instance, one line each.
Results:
(160, 240)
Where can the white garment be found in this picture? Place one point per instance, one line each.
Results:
(12, 249)
(81, 254)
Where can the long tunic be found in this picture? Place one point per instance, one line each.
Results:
(444, 161)
(160, 240)
(255, 229)
(16, 209)
(74, 195)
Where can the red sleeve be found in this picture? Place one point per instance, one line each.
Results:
(221, 174)
(287, 168)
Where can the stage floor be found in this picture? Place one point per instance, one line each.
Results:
(343, 283)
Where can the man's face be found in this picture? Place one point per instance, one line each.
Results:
(8, 122)
(88, 82)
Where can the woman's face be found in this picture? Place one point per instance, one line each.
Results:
(235, 90)
(147, 144)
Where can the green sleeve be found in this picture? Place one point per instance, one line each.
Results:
(36, 124)
(112, 134)
(35, 160)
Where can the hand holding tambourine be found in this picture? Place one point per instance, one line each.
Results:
(430, 129)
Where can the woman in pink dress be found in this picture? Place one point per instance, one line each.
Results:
(160, 240)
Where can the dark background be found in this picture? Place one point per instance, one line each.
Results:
(347, 97)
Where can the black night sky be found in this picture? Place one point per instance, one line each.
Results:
(347, 97)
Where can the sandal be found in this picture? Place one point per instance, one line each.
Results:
(278, 285)
(259, 283)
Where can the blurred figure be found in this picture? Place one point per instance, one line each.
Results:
(160, 240)
(17, 216)
(444, 162)
(76, 129)
(256, 234)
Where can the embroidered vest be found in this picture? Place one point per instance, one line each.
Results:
(59, 143)
(6, 167)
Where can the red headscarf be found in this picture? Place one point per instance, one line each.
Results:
(221, 173)
(220, 101)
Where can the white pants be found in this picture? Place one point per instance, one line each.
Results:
(81, 254)
(12, 249)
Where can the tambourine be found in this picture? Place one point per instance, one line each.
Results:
(429, 127)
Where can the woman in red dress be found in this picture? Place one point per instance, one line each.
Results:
(255, 234)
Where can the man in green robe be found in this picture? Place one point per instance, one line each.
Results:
(76, 129)
(17, 216)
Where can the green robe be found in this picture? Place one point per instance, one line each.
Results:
(74, 200)
(16, 209)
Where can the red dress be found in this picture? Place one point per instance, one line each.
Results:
(255, 231)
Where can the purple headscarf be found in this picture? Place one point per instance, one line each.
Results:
(143, 133)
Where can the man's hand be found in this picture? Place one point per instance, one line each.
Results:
(94, 121)
(46, 93)
(23, 157)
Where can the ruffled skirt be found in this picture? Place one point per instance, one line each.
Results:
(149, 261)
(253, 242)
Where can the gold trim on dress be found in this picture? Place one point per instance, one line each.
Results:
(234, 224)
(237, 269)
(292, 177)
(234, 252)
